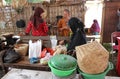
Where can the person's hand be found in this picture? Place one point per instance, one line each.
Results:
(26, 33)
(66, 27)
(21, 34)
(61, 29)
(61, 42)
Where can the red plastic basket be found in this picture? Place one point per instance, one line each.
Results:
(118, 58)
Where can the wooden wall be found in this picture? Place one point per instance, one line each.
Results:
(9, 15)
(110, 19)
(75, 11)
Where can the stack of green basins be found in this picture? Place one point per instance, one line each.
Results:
(97, 76)
(62, 65)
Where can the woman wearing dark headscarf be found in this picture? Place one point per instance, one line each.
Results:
(37, 24)
(95, 28)
(78, 34)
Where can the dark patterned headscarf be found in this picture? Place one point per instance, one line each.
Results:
(75, 25)
(36, 18)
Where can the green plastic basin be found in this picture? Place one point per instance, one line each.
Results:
(97, 76)
(61, 73)
(62, 65)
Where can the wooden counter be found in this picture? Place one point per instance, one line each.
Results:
(25, 64)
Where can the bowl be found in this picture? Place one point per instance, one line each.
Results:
(61, 73)
(97, 76)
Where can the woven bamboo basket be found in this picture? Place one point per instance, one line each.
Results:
(92, 58)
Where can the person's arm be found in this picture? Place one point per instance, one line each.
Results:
(92, 28)
(78, 39)
(28, 28)
(59, 24)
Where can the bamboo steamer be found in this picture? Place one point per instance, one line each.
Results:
(92, 58)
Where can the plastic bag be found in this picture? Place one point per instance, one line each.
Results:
(11, 56)
(2, 24)
(45, 60)
(35, 49)
(43, 53)
(60, 49)
(53, 41)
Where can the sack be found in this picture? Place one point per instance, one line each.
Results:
(11, 56)
(21, 48)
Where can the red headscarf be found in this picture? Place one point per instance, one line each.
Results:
(37, 19)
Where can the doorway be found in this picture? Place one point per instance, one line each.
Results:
(94, 11)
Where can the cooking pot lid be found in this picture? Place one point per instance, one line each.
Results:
(63, 62)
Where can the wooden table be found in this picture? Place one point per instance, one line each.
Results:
(95, 36)
(32, 74)
(22, 64)
(25, 64)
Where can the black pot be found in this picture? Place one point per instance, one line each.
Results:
(20, 23)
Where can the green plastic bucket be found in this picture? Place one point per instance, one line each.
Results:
(97, 76)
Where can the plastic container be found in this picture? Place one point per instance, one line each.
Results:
(62, 65)
(61, 73)
(97, 76)
(118, 58)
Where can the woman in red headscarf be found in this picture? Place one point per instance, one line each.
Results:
(37, 24)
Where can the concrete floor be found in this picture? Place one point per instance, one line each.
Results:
(32, 74)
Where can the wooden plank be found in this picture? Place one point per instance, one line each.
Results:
(25, 64)
(47, 38)
(43, 38)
